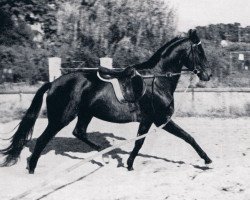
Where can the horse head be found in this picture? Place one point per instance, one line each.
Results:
(187, 51)
(195, 60)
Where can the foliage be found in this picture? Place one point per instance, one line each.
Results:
(32, 11)
(127, 30)
(18, 52)
(231, 32)
(26, 64)
(226, 74)
(13, 32)
(217, 56)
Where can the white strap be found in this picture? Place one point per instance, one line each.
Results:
(199, 43)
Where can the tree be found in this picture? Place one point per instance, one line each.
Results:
(18, 51)
(127, 30)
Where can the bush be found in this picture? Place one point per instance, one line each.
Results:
(27, 64)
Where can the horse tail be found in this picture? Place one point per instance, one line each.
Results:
(25, 129)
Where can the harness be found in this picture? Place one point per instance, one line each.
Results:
(46, 183)
(129, 91)
(171, 74)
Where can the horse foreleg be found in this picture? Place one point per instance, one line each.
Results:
(80, 130)
(143, 129)
(174, 129)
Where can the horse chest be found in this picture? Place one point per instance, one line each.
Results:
(160, 107)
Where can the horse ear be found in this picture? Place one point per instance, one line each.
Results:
(192, 34)
(195, 33)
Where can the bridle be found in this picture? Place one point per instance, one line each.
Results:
(194, 63)
(195, 69)
(171, 74)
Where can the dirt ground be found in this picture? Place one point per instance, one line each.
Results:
(167, 167)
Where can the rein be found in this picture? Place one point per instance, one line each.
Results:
(167, 75)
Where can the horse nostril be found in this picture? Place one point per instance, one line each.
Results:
(211, 75)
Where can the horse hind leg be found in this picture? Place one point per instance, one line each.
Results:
(50, 131)
(56, 123)
(81, 128)
(59, 114)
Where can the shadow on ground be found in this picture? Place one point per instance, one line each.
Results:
(64, 145)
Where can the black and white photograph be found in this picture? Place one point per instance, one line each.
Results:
(124, 99)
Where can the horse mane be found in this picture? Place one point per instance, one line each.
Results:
(172, 46)
(154, 59)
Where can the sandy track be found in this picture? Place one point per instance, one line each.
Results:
(167, 167)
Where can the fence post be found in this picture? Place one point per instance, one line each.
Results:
(220, 76)
(20, 97)
(54, 68)
(193, 100)
(106, 62)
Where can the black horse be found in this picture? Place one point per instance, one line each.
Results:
(85, 96)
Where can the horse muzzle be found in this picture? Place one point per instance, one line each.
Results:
(205, 75)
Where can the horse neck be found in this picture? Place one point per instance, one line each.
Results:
(173, 65)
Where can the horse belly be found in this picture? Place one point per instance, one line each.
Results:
(106, 107)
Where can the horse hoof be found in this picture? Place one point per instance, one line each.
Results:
(120, 165)
(98, 148)
(30, 171)
(130, 168)
(208, 161)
